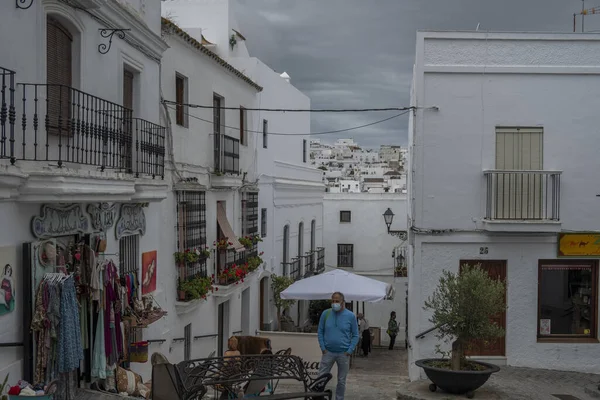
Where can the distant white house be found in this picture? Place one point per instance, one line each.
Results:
(356, 238)
(503, 172)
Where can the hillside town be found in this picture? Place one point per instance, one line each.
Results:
(217, 199)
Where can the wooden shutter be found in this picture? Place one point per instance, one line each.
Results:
(59, 75)
(242, 125)
(179, 90)
(126, 143)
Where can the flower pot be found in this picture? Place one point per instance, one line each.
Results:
(181, 295)
(456, 382)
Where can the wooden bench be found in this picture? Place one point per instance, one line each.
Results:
(248, 376)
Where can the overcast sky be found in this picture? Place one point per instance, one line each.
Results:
(360, 53)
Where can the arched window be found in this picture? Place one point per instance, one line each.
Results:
(313, 235)
(300, 239)
(286, 243)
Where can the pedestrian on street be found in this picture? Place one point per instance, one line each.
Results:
(363, 328)
(338, 336)
(392, 330)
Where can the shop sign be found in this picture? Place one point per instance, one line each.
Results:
(131, 221)
(103, 216)
(579, 244)
(56, 220)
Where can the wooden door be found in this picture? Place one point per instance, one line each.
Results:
(59, 76)
(494, 347)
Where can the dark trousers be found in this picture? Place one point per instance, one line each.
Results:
(366, 342)
(392, 341)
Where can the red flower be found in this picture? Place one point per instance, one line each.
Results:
(217, 289)
(229, 243)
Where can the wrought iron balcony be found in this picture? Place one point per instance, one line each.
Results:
(309, 263)
(292, 268)
(7, 112)
(320, 259)
(65, 125)
(227, 154)
(526, 195)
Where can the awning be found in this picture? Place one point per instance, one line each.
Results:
(226, 228)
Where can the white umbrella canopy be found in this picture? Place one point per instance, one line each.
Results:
(354, 287)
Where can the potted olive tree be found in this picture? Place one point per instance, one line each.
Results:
(463, 306)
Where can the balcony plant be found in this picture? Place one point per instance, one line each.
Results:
(188, 256)
(463, 305)
(254, 262)
(249, 241)
(222, 244)
(196, 288)
(233, 274)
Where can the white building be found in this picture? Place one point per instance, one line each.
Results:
(512, 187)
(89, 161)
(277, 194)
(357, 239)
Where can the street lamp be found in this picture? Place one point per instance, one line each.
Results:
(388, 217)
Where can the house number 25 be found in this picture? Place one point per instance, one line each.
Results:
(483, 250)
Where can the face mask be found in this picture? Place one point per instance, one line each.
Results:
(336, 306)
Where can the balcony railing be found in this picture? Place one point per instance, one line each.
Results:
(309, 263)
(522, 195)
(65, 125)
(227, 154)
(320, 259)
(292, 268)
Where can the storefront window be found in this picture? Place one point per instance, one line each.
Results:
(567, 294)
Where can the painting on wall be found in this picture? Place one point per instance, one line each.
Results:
(8, 284)
(149, 261)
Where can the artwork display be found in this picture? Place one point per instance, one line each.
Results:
(149, 261)
(8, 260)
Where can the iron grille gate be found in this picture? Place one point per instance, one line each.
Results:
(191, 228)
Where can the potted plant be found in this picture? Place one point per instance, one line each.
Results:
(223, 244)
(246, 241)
(463, 306)
(186, 257)
(254, 262)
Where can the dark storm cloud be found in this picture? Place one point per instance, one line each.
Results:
(360, 53)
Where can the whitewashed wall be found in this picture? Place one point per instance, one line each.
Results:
(498, 79)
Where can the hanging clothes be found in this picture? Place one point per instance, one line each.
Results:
(70, 350)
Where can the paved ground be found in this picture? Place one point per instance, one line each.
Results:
(513, 383)
(376, 377)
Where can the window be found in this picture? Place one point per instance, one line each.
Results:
(345, 255)
(286, 243)
(313, 235)
(263, 222)
(345, 216)
(250, 214)
(129, 255)
(304, 150)
(59, 75)
(300, 239)
(265, 133)
(217, 115)
(191, 228)
(243, 125)
(567, 299)
(181, 99)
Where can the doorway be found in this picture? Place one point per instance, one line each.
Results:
(494, 347)
(223, 327)
(263, 302)
(246, 311)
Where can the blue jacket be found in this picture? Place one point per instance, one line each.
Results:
(338, 331)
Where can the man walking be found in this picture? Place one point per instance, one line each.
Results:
(363, 328)
(338, 336)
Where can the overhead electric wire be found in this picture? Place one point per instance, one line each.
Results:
(316, 110)
(299, 134)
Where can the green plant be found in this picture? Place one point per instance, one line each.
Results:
(222, 244)
(3, 388)
(316, 308)
(232, 41)
(188, 256)
(463, 305)
(254, 263)
(246, 241)
(279, 284)
(196, 288)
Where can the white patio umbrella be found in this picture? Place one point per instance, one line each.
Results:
(354, 287)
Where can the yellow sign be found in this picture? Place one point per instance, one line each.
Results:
(579, 244)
